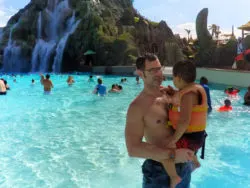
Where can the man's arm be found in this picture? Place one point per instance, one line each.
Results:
(186, 106)
(95, 90)
(51, 84)
(42, 79)
(134, 133)
(208, 96)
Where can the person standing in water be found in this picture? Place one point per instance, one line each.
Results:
(47, 83)
(147, 119)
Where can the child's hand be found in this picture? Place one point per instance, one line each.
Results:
(168, 90)
(171, 91)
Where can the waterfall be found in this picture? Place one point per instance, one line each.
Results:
(39, 25)
(41, 55)
(56, 39)
(12, 58)
(71, 27)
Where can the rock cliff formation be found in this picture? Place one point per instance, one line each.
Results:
(52, 35)
(210, 54)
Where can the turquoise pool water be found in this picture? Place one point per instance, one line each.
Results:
(73, 138)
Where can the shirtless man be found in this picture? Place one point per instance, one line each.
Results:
(146, 117)
(70, 80)
(2, 88)
(47, 83)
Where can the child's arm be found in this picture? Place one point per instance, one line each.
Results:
(186, 106)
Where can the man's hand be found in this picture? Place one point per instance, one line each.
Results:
(183, 155)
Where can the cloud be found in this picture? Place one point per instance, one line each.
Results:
(5, 13)
(180, 29)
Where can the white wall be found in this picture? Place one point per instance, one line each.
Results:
(220, 76)
(227, 77)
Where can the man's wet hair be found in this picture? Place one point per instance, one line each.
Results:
(203, 80)
(90, 76)
(47, 76)
(99, 80)
(140, 62)
(186, 70)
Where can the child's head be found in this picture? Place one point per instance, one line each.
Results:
(120, 87)
(203, 80)
(248, 88)
(230, 90)
(227, 103)
(184, 72)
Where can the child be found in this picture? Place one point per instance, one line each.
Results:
(187, 115)
(137, 80)
(247, 97)
(204, 83)
(226, 107)
(231, 91)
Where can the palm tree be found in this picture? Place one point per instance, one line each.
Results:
(215, 30)
(188, 32)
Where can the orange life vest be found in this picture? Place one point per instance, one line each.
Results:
(199, 112)
(225, 108)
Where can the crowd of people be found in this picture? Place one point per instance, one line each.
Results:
(100, 89)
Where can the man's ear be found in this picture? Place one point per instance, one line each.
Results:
(139, 72)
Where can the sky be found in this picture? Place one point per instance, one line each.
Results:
(8, 8)
(179, 14)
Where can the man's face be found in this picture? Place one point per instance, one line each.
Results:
(153, 73)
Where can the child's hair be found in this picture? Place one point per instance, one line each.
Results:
(203, 80)
(230, 89)
(186, 70)
(248, 88)
(227, 102)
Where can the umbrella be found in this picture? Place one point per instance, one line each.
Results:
(89, 52)
(245, 27)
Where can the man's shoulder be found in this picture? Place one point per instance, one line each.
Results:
(139, 104)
